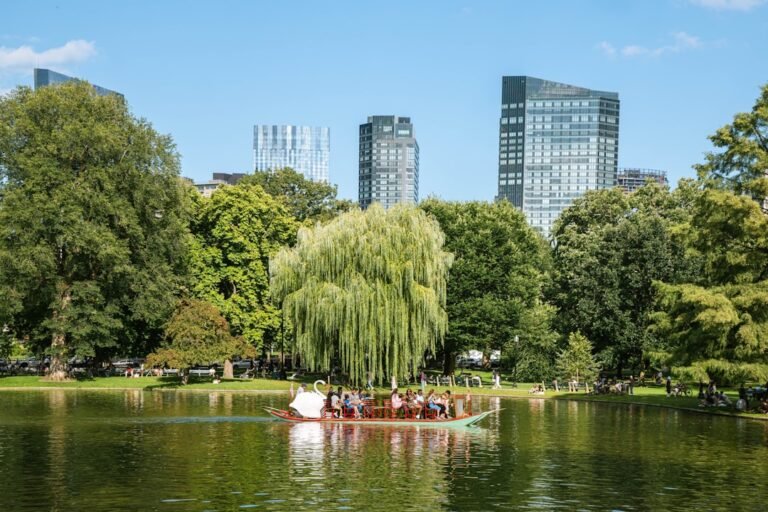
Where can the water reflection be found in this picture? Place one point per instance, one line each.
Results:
(216, 451)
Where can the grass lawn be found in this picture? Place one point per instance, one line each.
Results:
(648, 395)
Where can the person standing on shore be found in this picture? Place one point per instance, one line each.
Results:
(669, 386)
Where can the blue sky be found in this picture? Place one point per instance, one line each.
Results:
(207, 72)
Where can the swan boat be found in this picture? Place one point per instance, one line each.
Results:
(310, 407)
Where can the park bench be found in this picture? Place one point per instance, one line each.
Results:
(470, 379)
(201, 372)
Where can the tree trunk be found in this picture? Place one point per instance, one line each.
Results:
(229, 370)
(58, 369)
(449, 362)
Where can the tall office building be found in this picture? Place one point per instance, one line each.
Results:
(45, 77)
(630, 179)
(389, 162)
(305, 149)
(556, 141)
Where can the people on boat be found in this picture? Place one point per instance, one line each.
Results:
(396, 401)
(421, 403)
(412, 404)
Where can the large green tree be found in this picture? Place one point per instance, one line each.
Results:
(740, 161)
(495, 284)
(717, 321)
(609, 249)
(236, 232)
(577, 361)
(307, 200)
(197, 334)
(366, 290)
(92, 223)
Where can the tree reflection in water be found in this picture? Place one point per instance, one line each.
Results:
(408, 465)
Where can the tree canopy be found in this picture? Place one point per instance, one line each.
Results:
(92, 223)
(576, 360)
(307, 200)
(740, 162)
(197, 334)
(236, 232)
(610, 248)
(495, 283)
(366, 291)
(717, 320)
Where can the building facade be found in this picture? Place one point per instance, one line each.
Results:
(630, 179)
(389, 162)
(305, 149)
(556, 141)
(44, 77)
(219, 179)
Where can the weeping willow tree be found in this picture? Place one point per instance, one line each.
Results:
(367, 290)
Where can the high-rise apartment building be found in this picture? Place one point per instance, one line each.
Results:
(305, 149)
(43, 77)
(556, 141)
(630, 179)
(389, 162)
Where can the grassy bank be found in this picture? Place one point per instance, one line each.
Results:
(654, 396)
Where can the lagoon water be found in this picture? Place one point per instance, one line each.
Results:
(168, 451)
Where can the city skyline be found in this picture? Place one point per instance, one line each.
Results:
(441, 68)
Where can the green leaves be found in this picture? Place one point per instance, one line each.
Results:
(717, 320)
(609, 249)
(576, 360)
(197, 334)
(742, 162)
(496, 281)
(306, 200)
(91, 204)
(236, 232)
(367, 289)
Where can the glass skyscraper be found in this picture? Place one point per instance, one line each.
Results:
(389, 162)
(305, 149)
(45, 77)
(556, 141)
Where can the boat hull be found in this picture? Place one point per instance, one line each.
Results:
(464, 421)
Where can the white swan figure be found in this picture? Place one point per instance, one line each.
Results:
(310, 404)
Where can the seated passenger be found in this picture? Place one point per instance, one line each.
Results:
(433, 404)
(395, 400)
(336, 405)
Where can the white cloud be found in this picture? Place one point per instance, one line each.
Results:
(728, 5)
(607, 48)
(681, 41)
(25, 57)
